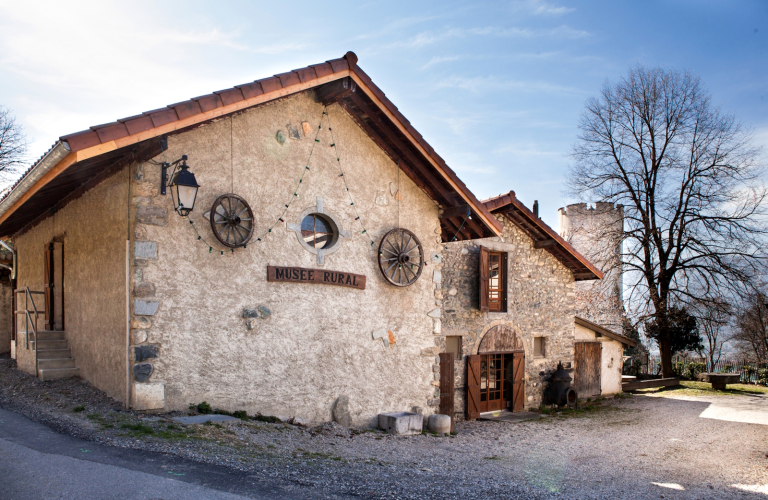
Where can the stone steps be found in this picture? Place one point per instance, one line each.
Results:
(57, 373)
(54, 358)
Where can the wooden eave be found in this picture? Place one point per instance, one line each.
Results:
(602, 331)
(135, 138)
(543, 236)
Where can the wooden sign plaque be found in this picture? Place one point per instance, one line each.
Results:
(317, 276)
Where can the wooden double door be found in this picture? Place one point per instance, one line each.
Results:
(495, 381)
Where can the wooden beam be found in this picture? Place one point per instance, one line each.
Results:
(335, 91)
(584, 276)
(409, 171)
(430, 179)
(492, 223)
(458, 211)
(544, 243)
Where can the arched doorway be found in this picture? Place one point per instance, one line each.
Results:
(496, 374)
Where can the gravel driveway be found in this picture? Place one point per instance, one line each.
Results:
(635, 447)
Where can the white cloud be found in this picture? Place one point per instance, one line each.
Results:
(489, 83)
(538, 8)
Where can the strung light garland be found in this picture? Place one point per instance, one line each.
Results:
(346, 187)
(462, 225)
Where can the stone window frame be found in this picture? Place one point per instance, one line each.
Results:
(330, 217)
(543, 354)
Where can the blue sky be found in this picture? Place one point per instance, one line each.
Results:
(495, 87)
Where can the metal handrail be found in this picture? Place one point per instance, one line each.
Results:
(28, 317)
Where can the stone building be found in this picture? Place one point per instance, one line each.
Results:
(304, 204)
(283, 247)
(509, 300)
(596, 231)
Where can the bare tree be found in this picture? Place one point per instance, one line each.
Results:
(689, 180)
(13, 145)
(751, 335)
(713, 329)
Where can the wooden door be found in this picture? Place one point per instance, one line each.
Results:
(473, 387)
(586, 373)
(446, 385)
(518, 381)
(48, 286)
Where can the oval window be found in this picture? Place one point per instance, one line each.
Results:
(318, 231)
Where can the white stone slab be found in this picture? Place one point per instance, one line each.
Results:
(148, 396)
(401, 423)
(201, 419)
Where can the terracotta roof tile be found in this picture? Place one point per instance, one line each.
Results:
(270, 84)
(82, 140)
(288, 79)
(305, 74)
(162, 116)
(230, 96)
(185, 109)
(137, 124)
(111, 131)
(190, 108)
(250, 90)
(338, 64)
(322, 70)
(208, 102)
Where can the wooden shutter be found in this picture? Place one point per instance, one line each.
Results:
(504, 273)
(48, 286)
(473, 387)
(586, 373)
(518, 381)
(446, 385)
(485, 276)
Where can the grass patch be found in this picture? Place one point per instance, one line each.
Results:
(494, 457)
(138, 429)
(585, 408)
(78, 408)
(692, 388)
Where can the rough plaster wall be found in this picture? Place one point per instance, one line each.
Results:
(610, 362)
(540, 303)
(94, 229)
(317, 344)
(6, 316)
(595, 233)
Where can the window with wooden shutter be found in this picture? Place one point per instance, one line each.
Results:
(493, 280)
(484, 277)
(473, 386)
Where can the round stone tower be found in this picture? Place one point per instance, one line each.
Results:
(595, 230)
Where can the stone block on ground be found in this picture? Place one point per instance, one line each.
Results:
(439, 424)
(148, 396)
(401, 423)
(340, 411)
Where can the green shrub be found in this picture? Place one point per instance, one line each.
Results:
(204, 408)
(241, 414)
(762, 376)
(78, 408)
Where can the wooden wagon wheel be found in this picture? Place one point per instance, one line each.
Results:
(401, 257)
(231, 220)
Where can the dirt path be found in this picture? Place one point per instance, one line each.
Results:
(637, 447)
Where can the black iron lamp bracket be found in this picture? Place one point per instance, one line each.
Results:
(164, 177)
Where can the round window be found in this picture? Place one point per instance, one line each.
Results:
(318, 231)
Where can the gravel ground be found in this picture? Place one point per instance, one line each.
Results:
(633, 447)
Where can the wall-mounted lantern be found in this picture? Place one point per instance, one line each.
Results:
(183, 186)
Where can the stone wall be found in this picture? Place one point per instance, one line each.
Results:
(209, 327)
(94, 229)
(6, 315)
(540, 303)
(595, 231)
